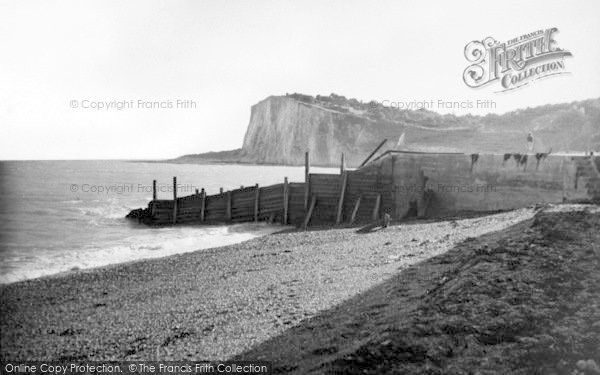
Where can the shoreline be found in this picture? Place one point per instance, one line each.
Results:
(215, 303)
(271, 229)
(284, 230)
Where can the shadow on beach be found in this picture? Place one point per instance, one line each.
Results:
(521, 299)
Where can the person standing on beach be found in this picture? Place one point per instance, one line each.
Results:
(530, 142)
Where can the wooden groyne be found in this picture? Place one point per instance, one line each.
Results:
(401, 184)
(349, 196)
(274, 203)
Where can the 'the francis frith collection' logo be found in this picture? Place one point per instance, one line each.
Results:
(515, 63)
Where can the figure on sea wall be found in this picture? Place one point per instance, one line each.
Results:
(530, 142)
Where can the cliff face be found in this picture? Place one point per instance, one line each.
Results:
(282, 128)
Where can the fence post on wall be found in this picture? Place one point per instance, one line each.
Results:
(202, 204)
(228, 205)
(256, 201)
(174, 200)
(341, 198)
(343, 164)
(220, 190)
(306, 179)
(285, 201)
(153, 190)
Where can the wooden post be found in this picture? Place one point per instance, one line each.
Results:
(202, 205)
(372, 153)
(153, 190)
(313, 202)
(220, 190)
(197, 192)
(306, 179)
(355, 210)
(343, 164)
(375, 215)
(174, 187)
(341, 198)
(241, 187)
(256, 201)
(174, 200)
(229, 205)
(422, 203)
(285, 201)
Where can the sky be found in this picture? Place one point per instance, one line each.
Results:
(59, 60)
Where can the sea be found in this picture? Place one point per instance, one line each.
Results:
(60, 216)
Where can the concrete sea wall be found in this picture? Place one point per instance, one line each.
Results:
(444, 183)
(401, 184)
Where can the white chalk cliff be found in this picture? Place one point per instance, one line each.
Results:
(282, 128)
